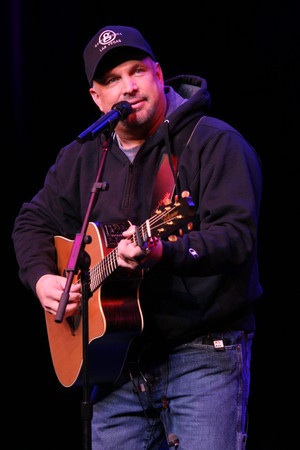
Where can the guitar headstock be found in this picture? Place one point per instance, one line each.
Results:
(171, 216)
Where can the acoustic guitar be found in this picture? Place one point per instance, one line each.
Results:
(114, 312)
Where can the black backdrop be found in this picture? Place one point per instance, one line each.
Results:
(249, 54)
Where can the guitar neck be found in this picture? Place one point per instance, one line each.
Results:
(101, 271)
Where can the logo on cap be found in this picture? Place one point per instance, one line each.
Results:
(106, 37)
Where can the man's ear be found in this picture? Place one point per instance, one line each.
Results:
(95, 98)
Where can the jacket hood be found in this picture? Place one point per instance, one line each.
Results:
(187, 101)
(187, 98)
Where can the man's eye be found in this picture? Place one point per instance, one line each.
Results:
(111, 80)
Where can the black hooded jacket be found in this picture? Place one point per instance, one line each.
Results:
(207, 279)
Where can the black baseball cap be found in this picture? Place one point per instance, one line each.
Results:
(112, 45)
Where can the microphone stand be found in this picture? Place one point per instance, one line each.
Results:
(79, 260)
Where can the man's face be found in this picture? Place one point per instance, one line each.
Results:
(141, 83)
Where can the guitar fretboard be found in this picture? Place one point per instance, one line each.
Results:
(101, 271)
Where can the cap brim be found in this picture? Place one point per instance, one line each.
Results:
(116, 57)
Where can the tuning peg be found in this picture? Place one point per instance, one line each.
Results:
(185, 194)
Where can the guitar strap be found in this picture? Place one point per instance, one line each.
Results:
(165, 181)
(167, 172)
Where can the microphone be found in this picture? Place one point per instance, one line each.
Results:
(119, 111)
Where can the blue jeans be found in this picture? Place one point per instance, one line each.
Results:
(193, 399)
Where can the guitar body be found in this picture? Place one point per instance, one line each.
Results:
(114, 319)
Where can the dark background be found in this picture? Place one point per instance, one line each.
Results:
(249, 54)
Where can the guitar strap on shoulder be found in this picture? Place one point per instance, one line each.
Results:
(165, 182)
(167, 172)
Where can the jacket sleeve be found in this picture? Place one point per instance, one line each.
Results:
(49, 213)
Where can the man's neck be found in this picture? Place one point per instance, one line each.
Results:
(127, 144)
